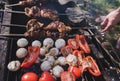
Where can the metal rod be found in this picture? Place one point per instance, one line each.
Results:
(12, 35)
(13, 25)
(23, 26)
(21, 12)
(17, 4)
(18, 12)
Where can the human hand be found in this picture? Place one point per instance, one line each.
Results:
(111, 20)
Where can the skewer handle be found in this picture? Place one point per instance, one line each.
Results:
(12, 35)
(12, 5)
(18, 12)
(13, 25)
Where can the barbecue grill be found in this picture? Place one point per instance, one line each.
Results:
(108, 64)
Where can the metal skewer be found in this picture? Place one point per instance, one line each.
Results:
(12, 35)
(18, 12)
(17, 4)
(22, 12)
(13, 25)
(24, 26)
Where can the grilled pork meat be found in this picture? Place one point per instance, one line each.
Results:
(54, 29)
(33, 28)
(45, 13)
(57, 25)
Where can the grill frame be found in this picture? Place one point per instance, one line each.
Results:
(15, 76)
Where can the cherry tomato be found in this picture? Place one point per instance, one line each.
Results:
(75, 71)
(46, 76)
(33, 53)
(73, 43)
(29, 76)
(67, 76)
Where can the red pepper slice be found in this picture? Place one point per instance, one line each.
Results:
(73, 43)
(33, 53)
(67, 76)
(66, 50)
(80, 55)
(83, 43)
(93, 69)
(75, 71)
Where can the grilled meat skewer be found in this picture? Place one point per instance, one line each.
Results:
(57, 25)
(45, 13)
(35, 28)
(26, 3)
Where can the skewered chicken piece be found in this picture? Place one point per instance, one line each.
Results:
(57, 25)
(26, 3)
(33, 28)
(45, 13)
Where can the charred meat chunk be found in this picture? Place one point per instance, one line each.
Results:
(57, 25)
(45, 13)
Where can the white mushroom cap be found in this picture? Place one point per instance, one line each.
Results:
(71, 59)
(55, 51)
(51, 59)
(14, 65)
(45, 66)
(61, 60)
(48, 42)
(57, 70)
(59, 43)
(42, 51)
(22, 42)
(21, 52)
(36, 43)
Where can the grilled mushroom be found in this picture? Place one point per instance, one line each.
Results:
(21, 52)
(22, 42)
(36, 43)
(59, 43)
(14, 65)
(57, 70)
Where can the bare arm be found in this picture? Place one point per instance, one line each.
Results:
(111, 19)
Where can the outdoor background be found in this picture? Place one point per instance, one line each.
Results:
(98, 9)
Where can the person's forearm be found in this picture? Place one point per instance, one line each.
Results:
(118, 9)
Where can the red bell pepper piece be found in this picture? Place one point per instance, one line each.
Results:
(66, 50)
(93, 69)
(33, 53)
(80, 55)
(83, 43)
(73, 43)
